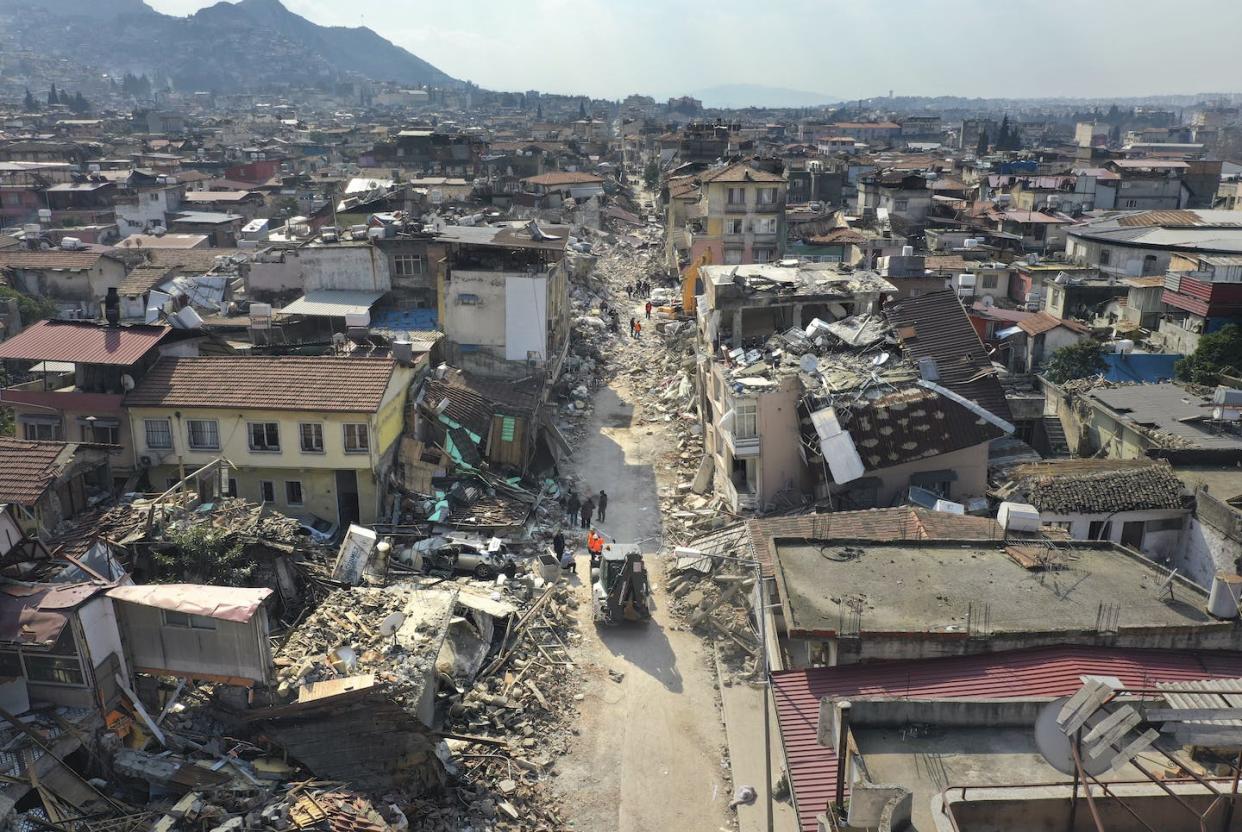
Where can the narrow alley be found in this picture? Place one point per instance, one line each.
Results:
(649, 749)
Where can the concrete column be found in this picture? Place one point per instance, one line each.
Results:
(737, 327)
(797, 315)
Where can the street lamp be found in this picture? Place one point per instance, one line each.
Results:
(761, 615)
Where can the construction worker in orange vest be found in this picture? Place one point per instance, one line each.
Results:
(595, 546)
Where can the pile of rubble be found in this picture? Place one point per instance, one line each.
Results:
(713, 597)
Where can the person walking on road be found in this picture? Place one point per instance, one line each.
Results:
(648, 310)
(638, 330)
(588, 508)
(602, 503)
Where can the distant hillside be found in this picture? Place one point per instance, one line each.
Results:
(228, 46)
(733, 96)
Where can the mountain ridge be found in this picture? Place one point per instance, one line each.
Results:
(252, 43)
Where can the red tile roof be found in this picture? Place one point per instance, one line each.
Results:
(564, 178)
(1042, 322)
(83, 342)
(326, 383)
(67, 260)
(27, 469)
(1045, 671)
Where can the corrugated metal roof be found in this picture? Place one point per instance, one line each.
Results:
(332, 303)
(1046, 671)
(935, 325)
(83, 342)
(228, 603)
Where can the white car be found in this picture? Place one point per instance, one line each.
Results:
(318, 529)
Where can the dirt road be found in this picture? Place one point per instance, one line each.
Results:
(649, 750)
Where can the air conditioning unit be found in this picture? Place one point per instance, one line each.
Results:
(150, 459)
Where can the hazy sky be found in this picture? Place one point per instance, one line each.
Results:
(844, 48)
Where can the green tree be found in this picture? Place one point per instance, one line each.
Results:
(29, 104)
(981, 148)
(79, 104)
(204, 554)
(1218, 352)
(53, 98)
(29, 307)
(651, 175)
(1080, 360)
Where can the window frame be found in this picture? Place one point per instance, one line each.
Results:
(357, 448)
(266, 486)
(729, 200)
(268, 447)
(214, 429)
(767, 196)
(52, 428)
(290, 485)
(317, 428)
(745, 419)
(408, 265)
(146, 434)
(186, 621)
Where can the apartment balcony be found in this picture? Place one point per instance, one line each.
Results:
(777, 207)
(742, 448)
(739, 500)
(736, 207)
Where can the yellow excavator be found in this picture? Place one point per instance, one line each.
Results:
(690, 280)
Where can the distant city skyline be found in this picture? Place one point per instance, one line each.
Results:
(972, 48)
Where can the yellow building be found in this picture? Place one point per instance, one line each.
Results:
(313, 436)
(742, 210)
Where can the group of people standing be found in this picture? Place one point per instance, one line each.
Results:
(583, 510)
(641, 289)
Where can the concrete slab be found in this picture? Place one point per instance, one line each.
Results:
(742, 711)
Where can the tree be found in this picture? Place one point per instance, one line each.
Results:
(53, 98)
(1002, 139)
(1218, 353)
(981, 149)
(30, 105)
(29, 307)
(1080, 360)
(79, 104)
(582, 108)
(205, 554)
(651, 175)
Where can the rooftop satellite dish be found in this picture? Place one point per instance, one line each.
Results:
(127, 382)
(808, 363)
(1054, 744)
(880, 359)
(390, 625)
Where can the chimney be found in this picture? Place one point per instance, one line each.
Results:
(112, 307)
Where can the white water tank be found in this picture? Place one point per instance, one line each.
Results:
(907, 251)
(1223, 599)
(1018, 517)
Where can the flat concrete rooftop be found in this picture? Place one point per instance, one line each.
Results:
(934, 587)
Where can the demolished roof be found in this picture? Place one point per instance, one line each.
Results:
(909, 424)
(1094, 486)
(28, 469)
(36, 614)
(935, 326)
(1041, 322)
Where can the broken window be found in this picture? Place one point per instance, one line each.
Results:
(59, 666)
(357, 441)
(186, 621)
(265, 437)
(159, 434)
(293, 492)
(203, 434)
(312, 437)
(734, 226)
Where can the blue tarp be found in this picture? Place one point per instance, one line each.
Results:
(1140, 366)
(404, 320)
